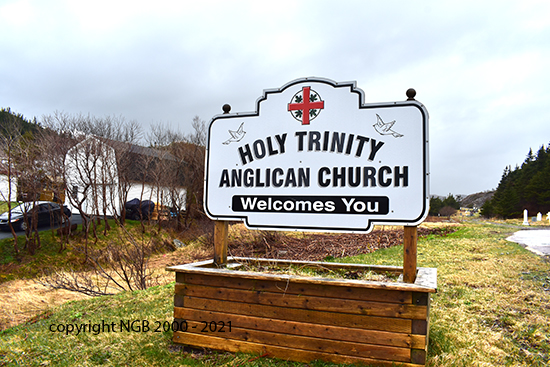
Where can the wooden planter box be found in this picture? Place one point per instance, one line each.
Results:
(304, 318)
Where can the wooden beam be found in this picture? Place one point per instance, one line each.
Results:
(237, 299)
(220, 243)
(221, 228)
(409, 254)
(310, 329)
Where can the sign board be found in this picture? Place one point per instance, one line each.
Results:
(315, 157)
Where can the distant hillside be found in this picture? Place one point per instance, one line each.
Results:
(12, 123)
(469, 201)
(476, 200)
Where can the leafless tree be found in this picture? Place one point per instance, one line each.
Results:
(122, 135)
(193, 152)
(166, 168)
(31, 181)
(182, 162)
(113, 269)
(53, 148)
(21, 154)
(111, 131)
(447, 211)
(86, 153)
(10, 139)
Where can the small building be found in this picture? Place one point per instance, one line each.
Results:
(91, 176)
(102, 175)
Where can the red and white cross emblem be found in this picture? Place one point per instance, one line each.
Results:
(307, 105)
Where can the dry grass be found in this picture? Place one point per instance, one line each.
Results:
(22, 300)
(492, 308)
(487, 312)
(314, 270)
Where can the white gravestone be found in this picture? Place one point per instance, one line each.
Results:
(539, 217)
(525, 220)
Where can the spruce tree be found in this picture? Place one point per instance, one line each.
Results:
(526, 187)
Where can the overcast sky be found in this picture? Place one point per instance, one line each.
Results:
(481, 68)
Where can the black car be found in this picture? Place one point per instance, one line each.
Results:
(136, 209)
(45, 212)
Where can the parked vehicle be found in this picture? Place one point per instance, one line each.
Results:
(44, 212)
(137, 210)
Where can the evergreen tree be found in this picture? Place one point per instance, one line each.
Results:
(526, 187)
(435, 205)
(451, 201)
(530, 157)
(487, 210)
(8, 119)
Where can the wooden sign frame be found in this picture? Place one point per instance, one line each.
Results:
(306, 318)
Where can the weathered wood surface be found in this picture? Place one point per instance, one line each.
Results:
(221, 229)
(287, 287)
(312, 343)
(289, 318)
(209, 268)
(301, 301)
(307, 316)
(368, 336)
(286, 353)
(410, 238)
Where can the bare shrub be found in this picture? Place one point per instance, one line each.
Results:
(256, 243)
(204, 231)
(118, 267)
(317, 246)
(447, 211)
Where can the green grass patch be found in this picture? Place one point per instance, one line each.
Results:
(4, 206)
(139, 339)
(49, 256)
(492, 308)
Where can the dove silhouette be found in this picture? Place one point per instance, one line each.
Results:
(236, 135)
(384, 128)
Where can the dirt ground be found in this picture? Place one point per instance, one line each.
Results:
(25, 300)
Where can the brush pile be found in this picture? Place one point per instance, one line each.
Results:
(320, 246)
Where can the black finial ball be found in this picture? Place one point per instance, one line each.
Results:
(226, 108)
(411, 93)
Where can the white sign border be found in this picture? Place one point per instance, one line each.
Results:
(361, 105)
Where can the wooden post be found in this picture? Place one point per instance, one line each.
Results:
(409, 254)
(221, 228)
(410, 236)
(220, 242)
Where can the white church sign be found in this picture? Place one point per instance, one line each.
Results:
(315, 157)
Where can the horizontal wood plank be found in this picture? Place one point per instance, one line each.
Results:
(291, 287)
(307, 302)
(306, 318)
(285, 353)
(292, 314)
(308, 329)
(316, 344)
